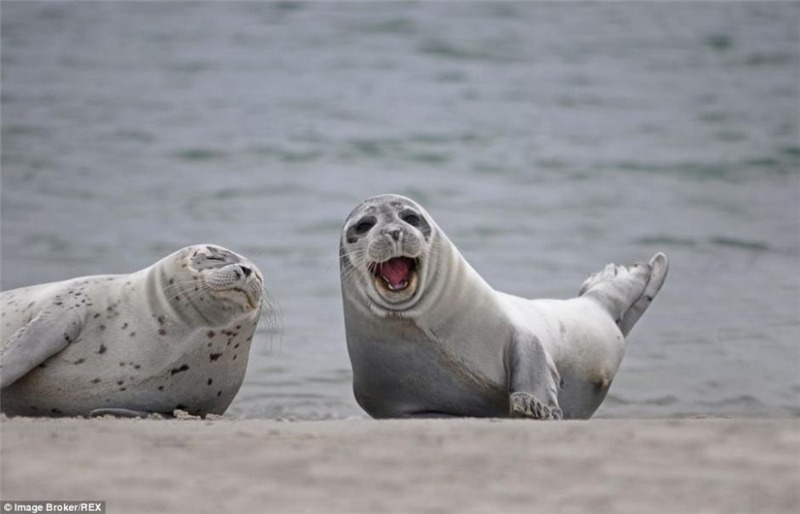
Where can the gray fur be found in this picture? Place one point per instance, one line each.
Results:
(450, 345)
(175, 335)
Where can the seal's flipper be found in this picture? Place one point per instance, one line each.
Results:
(658, 272)
(44, 336)
(533, 380)
(626, 291)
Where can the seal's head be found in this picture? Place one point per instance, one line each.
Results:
(214, 279)
(383, 249)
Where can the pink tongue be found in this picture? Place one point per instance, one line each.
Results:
(396, 270)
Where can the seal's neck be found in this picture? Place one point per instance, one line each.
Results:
(453, 289)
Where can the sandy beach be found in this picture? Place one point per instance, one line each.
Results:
(465, 466)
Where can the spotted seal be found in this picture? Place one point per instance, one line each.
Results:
(428, 337)
(175, 335)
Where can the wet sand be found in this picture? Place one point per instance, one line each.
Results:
(464, 466)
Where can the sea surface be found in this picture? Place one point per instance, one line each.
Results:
(546, 140)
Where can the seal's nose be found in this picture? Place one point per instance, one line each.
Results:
(247, 271)
(395, 234)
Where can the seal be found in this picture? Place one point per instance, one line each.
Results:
(175, 335)
(428, 337)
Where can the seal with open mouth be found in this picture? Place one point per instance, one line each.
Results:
(428, 337)
(175, 335)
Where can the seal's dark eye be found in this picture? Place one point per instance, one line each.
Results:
(412, 219)
(364, 225)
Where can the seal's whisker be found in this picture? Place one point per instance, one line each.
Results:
(272, 315)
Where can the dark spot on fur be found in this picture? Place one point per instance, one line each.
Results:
(132, 334)
(96, 381)
(59, 303)
(177, 298)
(173, 371)
(160, 388)
(97, 315)
(79, 361)
(234, 356)
(124, 326)
(102, 327)
(42, 365)
(136, 366)
(219, 393)
(214, 356)
(172, 281)
(120, 382)
(162, 332)
(238, 327)
(102, 348)
(121, 364)
(210, 381)
(236, 346)
(161, 320)
(122, 388)
(210, 334)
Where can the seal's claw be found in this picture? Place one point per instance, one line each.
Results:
(525, 405)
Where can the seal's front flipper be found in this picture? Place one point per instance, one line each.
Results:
(44, 336)
(533, 380)
(125, 413)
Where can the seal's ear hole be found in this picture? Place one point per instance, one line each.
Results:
(363, 226)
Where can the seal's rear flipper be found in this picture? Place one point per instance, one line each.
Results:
(533, 380)
(44, 336)
(626, 291)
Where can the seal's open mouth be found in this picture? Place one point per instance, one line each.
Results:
(394, 274)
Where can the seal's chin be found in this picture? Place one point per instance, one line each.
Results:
(239, 297)
(396, 279)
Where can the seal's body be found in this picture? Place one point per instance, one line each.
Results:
(175, 335)
(427, 336)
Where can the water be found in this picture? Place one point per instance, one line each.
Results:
(546, 140)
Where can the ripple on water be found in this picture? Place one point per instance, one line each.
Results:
(200, 154)
(742, 244)
(665, 241)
